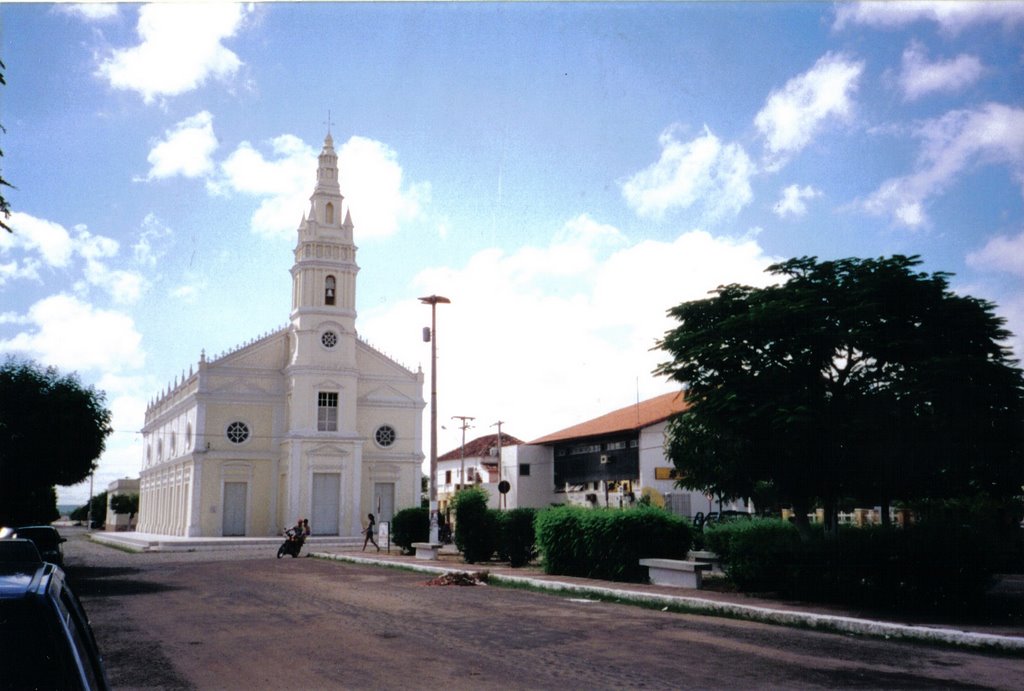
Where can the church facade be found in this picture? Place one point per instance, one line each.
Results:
(307, 421)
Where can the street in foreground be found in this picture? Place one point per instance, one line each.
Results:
(244, 619)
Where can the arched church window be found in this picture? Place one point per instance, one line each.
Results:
(329, 213)
(329, 287)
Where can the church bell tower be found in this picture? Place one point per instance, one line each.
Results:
(324, 274)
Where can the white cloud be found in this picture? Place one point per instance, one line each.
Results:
(701, 171)
(285, 182)
(950, 16)
(371, 180)
(56, 248)
(73, 335)
(794, 115)
(146, 250)
(50, 240)
(180, 49)
(1002, 253)
(578, 317)
(793, 200)
(190, 290)
(186, 149)
(992, 134)
(27, 269)
(90, 11)
(370, 177)
(920, 77)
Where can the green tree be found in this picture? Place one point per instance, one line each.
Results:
(99, 510)
(52, 430)
(125, 504)
(5, 208)
(859, 378)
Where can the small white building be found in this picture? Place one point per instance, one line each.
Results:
(120, 521)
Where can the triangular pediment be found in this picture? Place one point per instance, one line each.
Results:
(386, 395)
(330, 450)
(372, 359)
(244, 385)
(268, 352)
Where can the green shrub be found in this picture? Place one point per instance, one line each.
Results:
(931, 566)
(758, 555)
(609, 543)
(476, 527)
(409, 526)
(516, 535)
(559, 536)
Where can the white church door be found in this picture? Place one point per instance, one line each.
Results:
(234, 508)
(326, 503)
(384, 500)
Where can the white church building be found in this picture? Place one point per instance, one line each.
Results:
(307, 421)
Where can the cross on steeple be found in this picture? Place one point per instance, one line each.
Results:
(328, 123)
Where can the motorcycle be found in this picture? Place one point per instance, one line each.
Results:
(292, 544)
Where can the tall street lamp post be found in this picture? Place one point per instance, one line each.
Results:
(433, 301)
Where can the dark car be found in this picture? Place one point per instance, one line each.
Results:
(45, 638)
(47, 539)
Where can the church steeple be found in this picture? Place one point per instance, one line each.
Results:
(324, 273)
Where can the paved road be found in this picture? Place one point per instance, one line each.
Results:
(244, 620)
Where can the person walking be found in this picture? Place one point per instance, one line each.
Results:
(371, 528)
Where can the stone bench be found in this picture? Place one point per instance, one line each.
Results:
(426, 550)
(704, 556)
(675, 572)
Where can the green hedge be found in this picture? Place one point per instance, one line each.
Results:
(409, 526)
(516, 537)
(476, 527)
(609, 543)
(756, 554)
(931, 566)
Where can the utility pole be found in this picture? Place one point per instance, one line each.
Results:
(465, 425)
(501, 496)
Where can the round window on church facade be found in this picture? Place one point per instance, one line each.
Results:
(329, 339)
(385, 435)
(238, 432)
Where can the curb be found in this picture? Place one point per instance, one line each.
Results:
(764, 615)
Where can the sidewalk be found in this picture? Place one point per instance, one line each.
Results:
(708, 602)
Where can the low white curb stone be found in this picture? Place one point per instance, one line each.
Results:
(882, 629)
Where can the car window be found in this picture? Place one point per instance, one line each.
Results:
(45, 538)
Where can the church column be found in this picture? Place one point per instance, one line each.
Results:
(195, 517)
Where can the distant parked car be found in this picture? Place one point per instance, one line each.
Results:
(47, 539)
(46, 641)
(19, 551)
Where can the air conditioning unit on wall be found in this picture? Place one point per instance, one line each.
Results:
(606, 459)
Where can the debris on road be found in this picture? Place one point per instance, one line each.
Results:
(460, 578)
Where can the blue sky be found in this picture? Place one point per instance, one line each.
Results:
(564, 173)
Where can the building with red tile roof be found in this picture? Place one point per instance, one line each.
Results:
(632, 418)
(611, 460)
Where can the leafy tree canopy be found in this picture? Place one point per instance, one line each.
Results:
(5, 207)
(52, 430)
(857, 378)
(125, 504)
